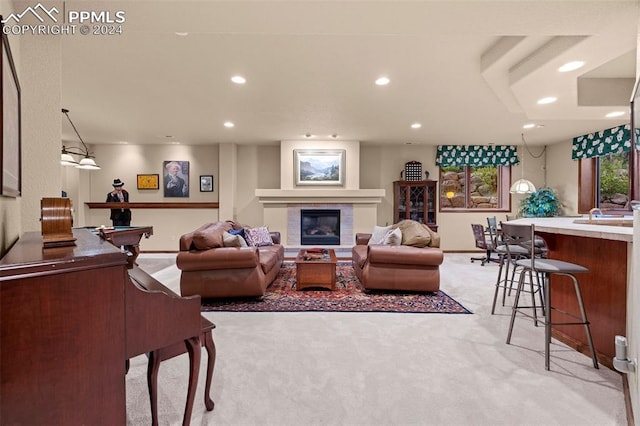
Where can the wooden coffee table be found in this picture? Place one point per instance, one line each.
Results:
(316, 272)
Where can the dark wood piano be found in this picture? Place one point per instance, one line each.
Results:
(70, 318)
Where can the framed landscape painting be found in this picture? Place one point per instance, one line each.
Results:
(319, 166)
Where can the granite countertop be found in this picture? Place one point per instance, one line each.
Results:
(567, 226)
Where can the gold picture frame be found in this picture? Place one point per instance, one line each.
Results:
(151, 181)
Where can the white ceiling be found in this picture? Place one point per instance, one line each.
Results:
(469, 71)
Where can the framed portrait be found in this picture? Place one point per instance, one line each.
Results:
(175, 182)
(10, 144)
(148, 181)
(319, 166)
(206, 183)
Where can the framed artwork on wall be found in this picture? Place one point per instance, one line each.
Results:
(151, 181)
(11, 139)
(319, 166)
(206, 183)
(176, 178)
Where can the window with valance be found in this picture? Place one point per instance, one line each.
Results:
(615, 140)
(608, 168)
(476, 155)
(475, 177)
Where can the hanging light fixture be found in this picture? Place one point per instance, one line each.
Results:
(66, 159)
(522, 185)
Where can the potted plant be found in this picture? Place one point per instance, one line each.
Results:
(541, 203)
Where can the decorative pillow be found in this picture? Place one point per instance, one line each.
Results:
(231, 240)
(210, 237)
(239, 232)
(378, 234)
(393, 238)
(414, 234)
(258, 236)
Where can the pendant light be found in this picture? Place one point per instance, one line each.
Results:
(66, 159)
(522, 185)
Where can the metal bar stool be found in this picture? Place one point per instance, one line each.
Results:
(510, 249)
(546, 267)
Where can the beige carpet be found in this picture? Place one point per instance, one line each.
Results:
(312, 368)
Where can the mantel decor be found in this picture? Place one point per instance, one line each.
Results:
(151, 181)
(10, 142)
(319, 166)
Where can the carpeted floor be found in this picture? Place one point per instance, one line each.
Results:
(349, 296)
(380, 369)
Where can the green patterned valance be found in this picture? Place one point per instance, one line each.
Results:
(476, 155)
(605, 142)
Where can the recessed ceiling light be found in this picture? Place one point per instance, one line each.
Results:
(334, 136)
(308, 135)
(416, 125)
(570, 66)
(228, 124)
(238, 79)
(547, 100)
(382, 81)
(181, 34)
(614, 114)
(529, 126)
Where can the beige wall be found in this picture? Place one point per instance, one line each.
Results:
(38, 64)
(562, 176)
(126, 162)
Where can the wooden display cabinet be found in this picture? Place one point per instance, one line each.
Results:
(415, 200)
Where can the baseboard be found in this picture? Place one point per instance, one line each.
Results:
(627, 400)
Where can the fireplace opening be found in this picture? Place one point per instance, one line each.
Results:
(320, 227)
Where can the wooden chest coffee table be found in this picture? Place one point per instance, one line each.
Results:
(316, 272)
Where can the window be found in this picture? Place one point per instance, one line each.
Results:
(607, 182)
(613, 181)
(464, 188)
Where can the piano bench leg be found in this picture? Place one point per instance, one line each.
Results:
(207, 342)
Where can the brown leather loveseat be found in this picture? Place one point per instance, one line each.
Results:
(213, 269)
(413, 265)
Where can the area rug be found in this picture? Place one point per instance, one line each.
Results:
(349, 296)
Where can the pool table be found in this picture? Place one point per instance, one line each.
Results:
(127, 236)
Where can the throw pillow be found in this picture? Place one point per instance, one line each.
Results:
(210, 237)
(258, 236)
(414, 234)
(231, 240)
(378, 234)
(239, 232)
(393, 238)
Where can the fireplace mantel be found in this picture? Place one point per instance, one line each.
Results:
(302, 196)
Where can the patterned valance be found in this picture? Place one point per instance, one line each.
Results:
(476, 155)
(605, 142)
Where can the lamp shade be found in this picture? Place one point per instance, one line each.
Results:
(522, 186)
(67, 160)
(88, 164)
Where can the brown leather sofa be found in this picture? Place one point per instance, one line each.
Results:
(401, 267)
(226, 271)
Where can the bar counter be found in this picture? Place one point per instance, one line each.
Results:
(607, 251)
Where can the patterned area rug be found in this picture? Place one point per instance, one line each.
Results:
(348, 296)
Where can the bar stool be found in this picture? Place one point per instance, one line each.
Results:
(510, 249)
(546, 267)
